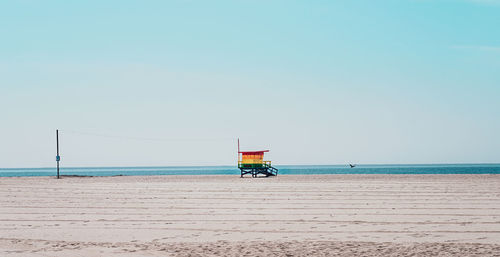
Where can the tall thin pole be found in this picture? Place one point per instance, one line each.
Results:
(58, 158)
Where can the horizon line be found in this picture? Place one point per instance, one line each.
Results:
(192, 166)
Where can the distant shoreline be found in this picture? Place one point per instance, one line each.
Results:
(281, 165)
(233, 170)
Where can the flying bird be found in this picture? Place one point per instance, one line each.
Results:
(352, 165)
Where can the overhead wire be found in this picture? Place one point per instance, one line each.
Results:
(146, 138)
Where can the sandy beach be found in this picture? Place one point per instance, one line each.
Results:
(288, 215)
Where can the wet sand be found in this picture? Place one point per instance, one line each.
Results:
(288, 215)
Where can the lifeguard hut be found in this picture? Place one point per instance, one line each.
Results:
(252, 162)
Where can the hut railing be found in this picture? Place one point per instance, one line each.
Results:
(265, 164)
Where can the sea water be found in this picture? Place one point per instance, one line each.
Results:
(283, 169)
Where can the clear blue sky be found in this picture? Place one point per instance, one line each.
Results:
(316, 82)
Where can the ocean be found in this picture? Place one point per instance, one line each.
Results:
(232, 170)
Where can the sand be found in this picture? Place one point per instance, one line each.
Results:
(288, 215)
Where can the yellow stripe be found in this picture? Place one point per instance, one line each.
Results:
(251, 161)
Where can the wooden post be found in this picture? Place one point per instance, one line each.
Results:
(58, 158)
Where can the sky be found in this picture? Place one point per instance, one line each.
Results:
(167, 83)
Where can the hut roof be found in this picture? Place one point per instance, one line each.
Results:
(253, 152)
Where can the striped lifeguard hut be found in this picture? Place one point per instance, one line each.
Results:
(252, 162)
